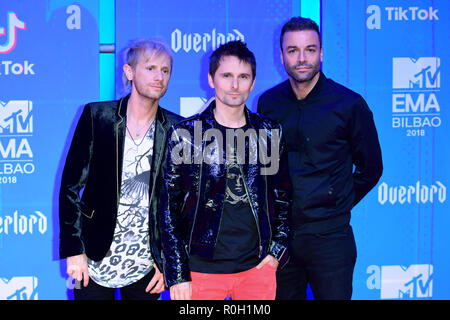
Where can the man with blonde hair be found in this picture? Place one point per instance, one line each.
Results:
(111, 184)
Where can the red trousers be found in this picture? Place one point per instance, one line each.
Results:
(253, 284)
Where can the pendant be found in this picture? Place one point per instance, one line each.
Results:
(138, 134)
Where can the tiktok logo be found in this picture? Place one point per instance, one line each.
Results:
(13, 24)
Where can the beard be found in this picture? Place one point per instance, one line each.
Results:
(303, 76)
(233, 101)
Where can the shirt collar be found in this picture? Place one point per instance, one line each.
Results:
(315, 92)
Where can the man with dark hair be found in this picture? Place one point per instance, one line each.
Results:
(329, 129)
(236, 49)
(225, 226)
(112, 182)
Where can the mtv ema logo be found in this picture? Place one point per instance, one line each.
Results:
(401, 282)
(16, 127)
(19, 288)
(16, 117)
(423, 73)
(416, 84)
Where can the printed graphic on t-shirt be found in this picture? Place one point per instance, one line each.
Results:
(129, 258)
(235, 192)
(236, 248)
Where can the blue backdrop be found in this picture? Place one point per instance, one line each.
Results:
(392, 54)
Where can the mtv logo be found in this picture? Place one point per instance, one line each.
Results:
(192, 105)
(19, 288)
(423, 73)
(400, 282)
(16, 117)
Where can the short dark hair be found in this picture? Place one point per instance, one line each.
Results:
(235, 48)
(299, 24)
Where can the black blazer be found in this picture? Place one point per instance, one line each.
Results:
(92, 175)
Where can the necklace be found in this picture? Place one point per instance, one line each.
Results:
(142, 140)
(138, 130)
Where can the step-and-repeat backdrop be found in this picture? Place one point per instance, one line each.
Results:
(395, 53)
(391, 53)
(48, 69)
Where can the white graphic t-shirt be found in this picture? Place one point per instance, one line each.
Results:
(129, 258)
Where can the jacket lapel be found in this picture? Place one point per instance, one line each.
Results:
(159, 143)
(119, 133)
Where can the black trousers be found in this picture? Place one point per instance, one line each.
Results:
(134, 291)
(325, 261)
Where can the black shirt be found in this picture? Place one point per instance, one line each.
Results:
(237, 242)
(327, 133)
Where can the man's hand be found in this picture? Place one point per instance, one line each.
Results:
(77, 268)
(181, 291)
(270, 260)
(157, 282)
